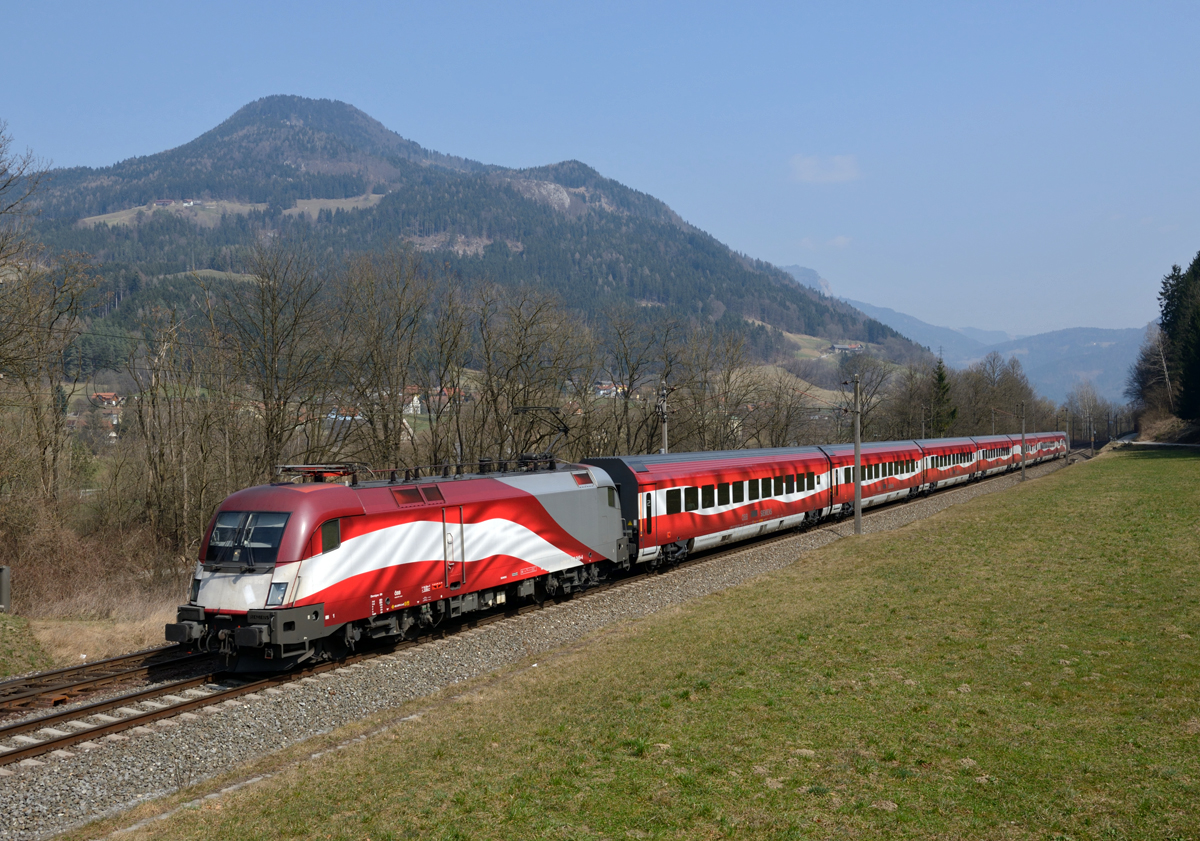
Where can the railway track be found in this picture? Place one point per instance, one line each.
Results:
(63, 686)
(83, 726)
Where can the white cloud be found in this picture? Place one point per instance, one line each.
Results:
(811, 169)
(840, 241)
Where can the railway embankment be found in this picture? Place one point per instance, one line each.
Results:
(429, 705)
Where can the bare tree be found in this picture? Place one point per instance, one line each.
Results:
(287, 341)
(385, 302)
(782, 411)
(20, 177)
(633, 362)
(874, 376)
(43, 302)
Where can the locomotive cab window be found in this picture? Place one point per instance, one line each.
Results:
(691, 499)
(331, 535)
(674, 501)
(245, 539)
(612, 497)
(708, 496)
(723, 493)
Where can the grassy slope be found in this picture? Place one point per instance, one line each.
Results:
(958, 678)
(19, 650)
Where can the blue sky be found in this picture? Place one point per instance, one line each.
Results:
(1022, 167)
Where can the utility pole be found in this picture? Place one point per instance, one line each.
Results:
(662, 413)
(1022, 440)
(857, 456)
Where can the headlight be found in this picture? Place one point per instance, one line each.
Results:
(276, 594)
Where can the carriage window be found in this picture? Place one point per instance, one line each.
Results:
(847, 479)
(331, 535)
(810, 479)
(778, 486)
(674, 501)
(789, 483)
(691, 499)
(739, 492)
(649, 520)
(723, 493)
(708, 496)
(752, 489)
(766, 487)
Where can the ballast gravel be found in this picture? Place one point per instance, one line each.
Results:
(60, 792)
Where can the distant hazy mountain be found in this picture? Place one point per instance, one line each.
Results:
(1054, 362)
(810, 278)
(956, 348)
(565, 227)
(987, 337)
(1057, 361)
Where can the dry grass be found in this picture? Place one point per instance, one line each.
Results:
(99, 593)
(207, 214)
(314, 206)
(68, 642)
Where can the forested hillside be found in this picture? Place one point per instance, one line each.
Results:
(563, 227)
(1166, 376)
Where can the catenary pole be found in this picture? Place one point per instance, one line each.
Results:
(1022, 440)
(857, 456)
(662, 414)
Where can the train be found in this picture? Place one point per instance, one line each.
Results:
(314, 565)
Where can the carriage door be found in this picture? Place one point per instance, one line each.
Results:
(452, 543)
(649, 549)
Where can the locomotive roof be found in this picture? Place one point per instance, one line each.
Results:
(644, 463)
(560, 467)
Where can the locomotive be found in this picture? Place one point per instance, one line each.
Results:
(309, 567)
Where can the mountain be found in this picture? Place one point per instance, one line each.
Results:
(326, 173)
(1054, 362)
(810, 278)
(987, 337)
(956, 348)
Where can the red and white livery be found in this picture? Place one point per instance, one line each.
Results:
(294, 571)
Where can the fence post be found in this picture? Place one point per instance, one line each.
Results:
(5, 590)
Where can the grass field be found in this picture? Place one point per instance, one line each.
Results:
(1022, 666)
(19, 649)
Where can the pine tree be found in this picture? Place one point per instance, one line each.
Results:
(942, 413)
